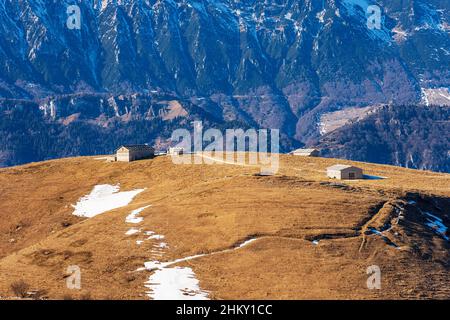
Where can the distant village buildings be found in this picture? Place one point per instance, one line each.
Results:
(175, 151)
(129, 153)
(306, 152)
(344, 172)
(338, 171)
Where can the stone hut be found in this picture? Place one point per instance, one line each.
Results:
(344, 172)
(129, 153)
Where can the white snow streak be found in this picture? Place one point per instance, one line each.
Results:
(178, 283)
(133, 216)
(132, 231)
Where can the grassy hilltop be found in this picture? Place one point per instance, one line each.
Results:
(312, 237)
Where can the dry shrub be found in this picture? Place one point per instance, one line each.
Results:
(20, 288)
(86, 296)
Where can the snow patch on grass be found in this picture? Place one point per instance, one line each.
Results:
(133, 216)
(103, 198)
(175, 284)
(437, 225)
(156, 237)
(132, 231)
(385, 239)
(162, 245)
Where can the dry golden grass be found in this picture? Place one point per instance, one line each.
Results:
(208, 208)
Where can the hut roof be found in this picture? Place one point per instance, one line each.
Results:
(136, 147)
(304, 150)
(339, 167)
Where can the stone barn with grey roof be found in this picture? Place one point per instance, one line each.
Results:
(344, 172)
(306, 152)
(129, 153)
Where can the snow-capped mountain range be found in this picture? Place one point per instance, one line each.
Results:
(268, 63)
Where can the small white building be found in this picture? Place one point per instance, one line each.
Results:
(129, 153)
(344, 172)
(306, 152)
(175, 151)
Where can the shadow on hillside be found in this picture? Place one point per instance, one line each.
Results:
(369, 177)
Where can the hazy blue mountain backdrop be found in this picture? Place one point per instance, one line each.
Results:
(137, 69)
